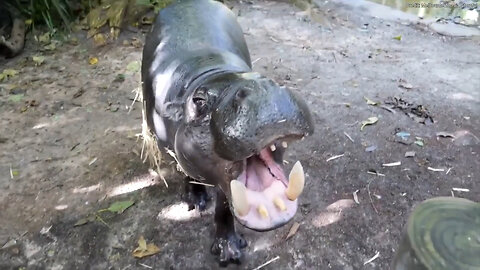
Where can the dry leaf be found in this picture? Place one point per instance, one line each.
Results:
(99, 40)
(144, 249)
(93, 60)
(371, 102)
(293, 230)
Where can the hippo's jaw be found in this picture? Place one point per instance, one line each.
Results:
(261, 197)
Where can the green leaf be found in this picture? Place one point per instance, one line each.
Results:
(38, 59)
(119, 207)
(419, 143)
(133, 66)
(10, 72)
(84, 220)
(16, 98)
(369, 121)
(398, 37)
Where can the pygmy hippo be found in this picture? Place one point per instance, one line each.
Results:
(227, 125)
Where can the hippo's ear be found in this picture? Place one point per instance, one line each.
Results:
(173, 111)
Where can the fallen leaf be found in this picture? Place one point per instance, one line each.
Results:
(93, 60)
(410, 154)
(398, 37)
(404, 135)
(293, 230)
(119, 207)
(16, 98)
(133, 66)
(369, 121)
(406, 85)
(38, 59)
(50, 47)
(420, 143)
(84, 220)
(355, 196)
(120, 78)
(45, 38)
(137, 43)
(371, 102)
(371, 148)
(144, 249)
(445, 134)
(99, 40)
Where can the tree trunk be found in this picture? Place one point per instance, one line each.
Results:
(441, 234)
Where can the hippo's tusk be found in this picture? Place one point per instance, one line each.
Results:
(296, 182)
(239, 197)
(273, 148)
(284, 144)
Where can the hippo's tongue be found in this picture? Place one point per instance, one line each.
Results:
(262, 197)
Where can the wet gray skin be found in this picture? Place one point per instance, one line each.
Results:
(203, 102)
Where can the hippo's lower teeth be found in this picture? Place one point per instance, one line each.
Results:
(296, 182)
(239, 197)
(262, 210)
(273, 148)
(280, 204)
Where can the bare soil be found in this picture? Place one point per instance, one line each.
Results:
(69, 146)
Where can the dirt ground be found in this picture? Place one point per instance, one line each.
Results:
(69, 146)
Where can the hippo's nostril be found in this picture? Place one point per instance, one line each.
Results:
(242, 94)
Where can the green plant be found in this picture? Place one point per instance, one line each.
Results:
(55, 14)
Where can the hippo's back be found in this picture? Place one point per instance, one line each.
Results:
(195, 25)
(189, 39)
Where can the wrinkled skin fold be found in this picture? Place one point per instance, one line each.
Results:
(227, 125)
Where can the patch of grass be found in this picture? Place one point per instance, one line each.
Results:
(55, 14)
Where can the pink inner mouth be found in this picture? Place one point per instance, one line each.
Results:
(265, 181)
(262, 171)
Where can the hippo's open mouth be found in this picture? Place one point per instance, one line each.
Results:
(262, 197)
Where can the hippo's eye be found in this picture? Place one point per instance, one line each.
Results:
(199, 102)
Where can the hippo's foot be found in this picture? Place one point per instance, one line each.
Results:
(227, 244)
(196, 195)
(228, 248)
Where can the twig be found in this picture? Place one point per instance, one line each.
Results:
(398, 163)
(200, 183)
(461, 189)
(11, 172)
(256, 60)
(448, 170)
(370, 196)
(137, 94)
(146, 266)
(373, 258)
(375, 173)
(335, 157)
(435, 169)
(348, 136)
(267, 263)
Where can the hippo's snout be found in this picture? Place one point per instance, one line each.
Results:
(252, 124)
(253, 113)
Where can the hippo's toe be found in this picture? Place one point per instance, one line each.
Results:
(229, 248)
(196, 196)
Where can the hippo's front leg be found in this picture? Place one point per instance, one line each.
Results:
(196, 195)
(227, 244)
